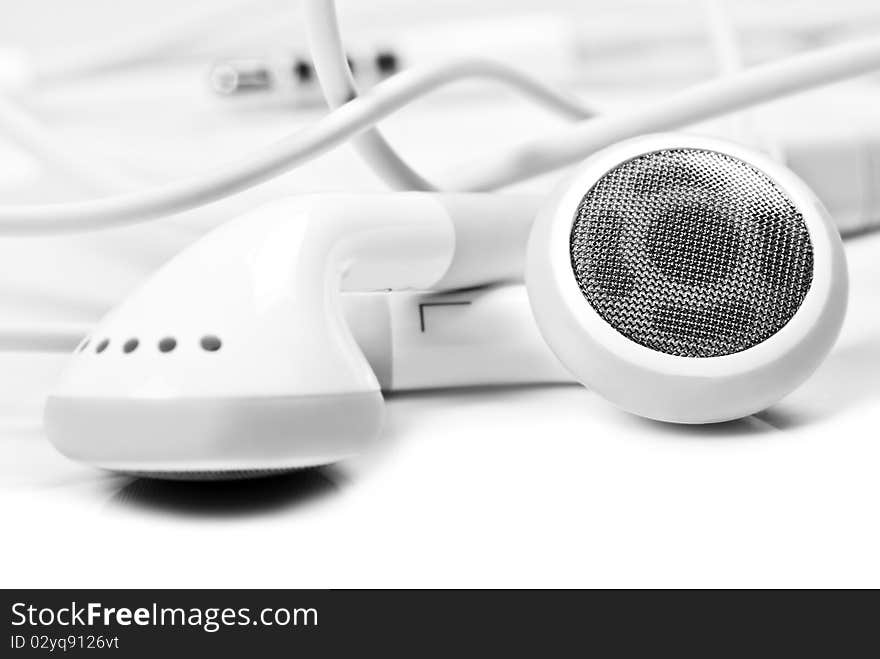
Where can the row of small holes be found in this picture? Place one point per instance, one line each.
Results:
(209, 343)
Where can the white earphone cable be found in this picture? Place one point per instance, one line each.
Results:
(19, 127)
(716, 98)
(41, 338)
(283, 155)
(725, 45)
(541, 155)
(338, 85)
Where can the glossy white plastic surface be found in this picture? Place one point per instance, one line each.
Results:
(662, 386)
(467, 338)
(264, 292)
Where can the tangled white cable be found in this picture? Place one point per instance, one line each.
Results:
(541, 155)
(285, 154)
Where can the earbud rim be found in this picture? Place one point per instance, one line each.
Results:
(566, 319)
(224, 434)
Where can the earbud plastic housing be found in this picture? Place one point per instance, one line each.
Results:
(235, 358)
(663, 386)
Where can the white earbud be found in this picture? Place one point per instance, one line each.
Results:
(683, 279)
(724, 315)
(235, 356)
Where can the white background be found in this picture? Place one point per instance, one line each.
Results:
(495, 487)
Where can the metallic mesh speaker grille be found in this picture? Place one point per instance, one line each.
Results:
(691, 252)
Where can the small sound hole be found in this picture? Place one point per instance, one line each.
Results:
(211, 343)
(167, 344)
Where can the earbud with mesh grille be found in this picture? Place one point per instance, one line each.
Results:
(686, 279)
(681, 278)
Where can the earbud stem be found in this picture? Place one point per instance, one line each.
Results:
(430, 340)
